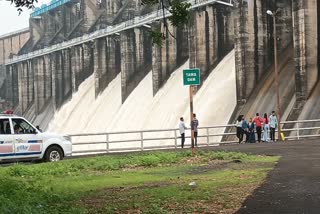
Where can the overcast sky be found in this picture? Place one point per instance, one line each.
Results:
(10, 19)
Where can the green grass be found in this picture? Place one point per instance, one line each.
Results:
(153, 182)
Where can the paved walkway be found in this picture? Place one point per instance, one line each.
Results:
(293, 186)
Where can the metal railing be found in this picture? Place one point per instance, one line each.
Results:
(110, 30)
(94, 143)
(144, 140)
(301, 129)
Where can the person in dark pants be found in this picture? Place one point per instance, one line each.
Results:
(252, 137)
(273, 125)
(258, 122)
(182, 129)
(194, 127)
(245, 128)
(239, 128)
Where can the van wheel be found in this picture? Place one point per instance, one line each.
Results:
(53, 154)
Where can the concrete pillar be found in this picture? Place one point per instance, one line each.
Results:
(112, 7)
(15, 85)
(229, 23)
(182, 50)
(285, 23)
(87, 59)
(9, 84)
(50, 26)
(66, 75)
(23, 86)
(58, 80)
(128, 65)
(213, 36)
(74, 69)
(100, 67)
(305, 35)
(261, 37)
(20, 83)
(30, 77)
(192, 44)
(47, 77)
(113, 54)
(199, 42)
(139, 47)
(79, 76)
(90, 13)
(40, 84)
(172, 53)
(53, 66)
(157, 80)
(37, 83)
(246, 72)
(169, 52)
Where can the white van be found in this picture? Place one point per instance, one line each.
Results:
(20, 140)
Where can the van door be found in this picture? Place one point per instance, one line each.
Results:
(27, 142)
(6, 140)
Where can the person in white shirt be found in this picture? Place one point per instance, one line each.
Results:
(182, 129)
(239, 128)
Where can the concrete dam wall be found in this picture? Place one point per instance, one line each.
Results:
(41, 81)
(50, 80)
(297, 36)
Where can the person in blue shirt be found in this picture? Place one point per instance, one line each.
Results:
(245, 128)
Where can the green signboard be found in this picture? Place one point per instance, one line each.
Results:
(191, 76)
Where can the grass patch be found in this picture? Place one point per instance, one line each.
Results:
(155, 182)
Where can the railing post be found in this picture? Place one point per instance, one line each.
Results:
(207, 136)
(175, 139)
(298, 131)
(107, 143)
(141, 139)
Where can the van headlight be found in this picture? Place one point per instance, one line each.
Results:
(67, 138)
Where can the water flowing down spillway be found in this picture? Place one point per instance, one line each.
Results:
(213, 103)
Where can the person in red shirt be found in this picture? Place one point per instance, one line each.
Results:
(258, 122)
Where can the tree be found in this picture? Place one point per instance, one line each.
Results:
(178, 8)
(180, 16)
(20, 4)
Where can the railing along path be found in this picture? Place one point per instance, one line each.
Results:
(93, 143)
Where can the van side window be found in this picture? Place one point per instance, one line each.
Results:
(22, 127)
(5, 126)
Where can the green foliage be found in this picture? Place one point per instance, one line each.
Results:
(157, 37)
(19, 4)
(180, 13)
(150, 161)
(58, 187)
(115, 162)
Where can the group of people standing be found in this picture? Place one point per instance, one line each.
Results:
(255, 126)
(248, 129)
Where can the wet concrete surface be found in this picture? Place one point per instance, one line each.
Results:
(293, 186)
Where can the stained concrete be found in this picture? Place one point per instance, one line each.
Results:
(213, 30)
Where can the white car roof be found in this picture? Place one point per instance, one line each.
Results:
(3, 116)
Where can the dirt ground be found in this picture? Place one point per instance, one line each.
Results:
(294, 184)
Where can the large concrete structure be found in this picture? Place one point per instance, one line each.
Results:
(297, 35)
(52, 77)
(10, 45)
